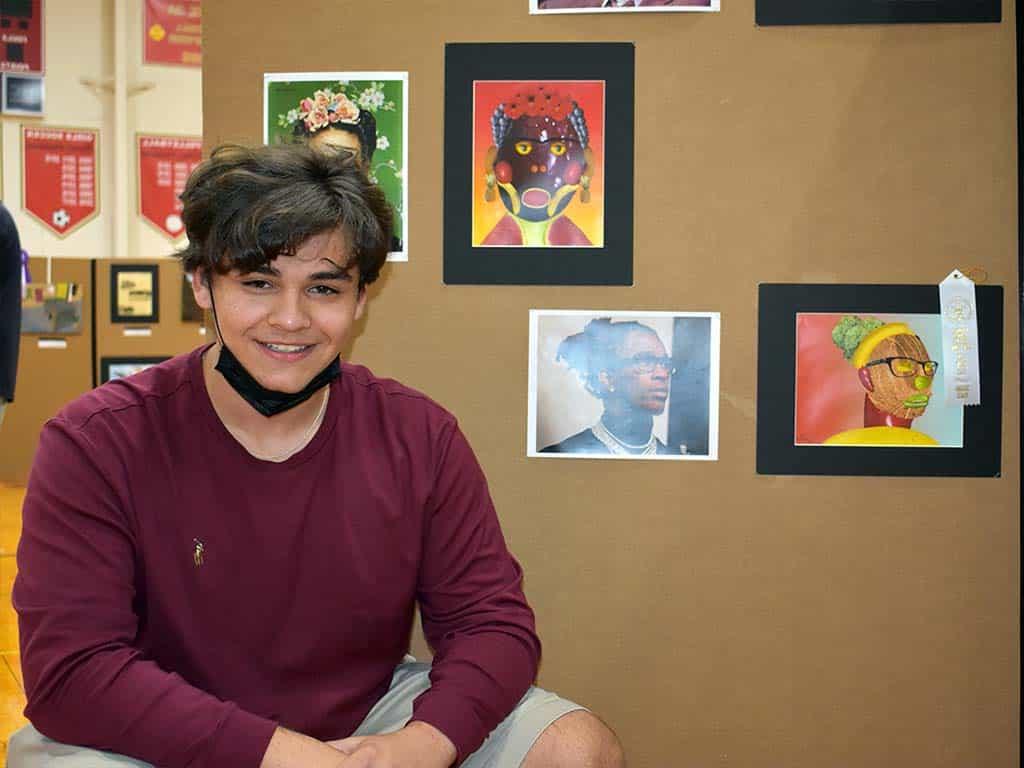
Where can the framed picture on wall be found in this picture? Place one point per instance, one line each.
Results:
(851, 382)
(538, 177)
(621, 6)
(366, 112)
(777, 12)
(623, 385)
(51, 308)
(22, 94)
(119, 367)
(134, 293)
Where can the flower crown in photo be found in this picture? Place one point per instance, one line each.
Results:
(324, 108)
(327, 107)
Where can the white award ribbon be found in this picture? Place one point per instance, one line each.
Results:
(961, 372)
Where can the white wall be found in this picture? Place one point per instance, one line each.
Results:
(80, 45)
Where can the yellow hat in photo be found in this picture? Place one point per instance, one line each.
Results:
(863, 353)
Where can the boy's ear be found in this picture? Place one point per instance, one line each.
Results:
(201, 288)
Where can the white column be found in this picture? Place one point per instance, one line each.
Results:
(121, 140)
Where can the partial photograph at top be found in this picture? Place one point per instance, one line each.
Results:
(613, 6)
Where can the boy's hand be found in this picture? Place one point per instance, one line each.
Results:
(418, 745)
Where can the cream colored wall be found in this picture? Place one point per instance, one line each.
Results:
(80, 45)
(173, 106)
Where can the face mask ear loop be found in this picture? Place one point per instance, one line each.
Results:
(213, 304)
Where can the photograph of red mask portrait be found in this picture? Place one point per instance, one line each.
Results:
(538, 150)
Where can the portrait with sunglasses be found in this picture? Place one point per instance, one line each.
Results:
(870, 380)
(618, 385)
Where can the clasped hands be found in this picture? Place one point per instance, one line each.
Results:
(417, 745)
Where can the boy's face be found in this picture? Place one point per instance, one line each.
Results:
(287, 322)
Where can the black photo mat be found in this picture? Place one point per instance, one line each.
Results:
(116, 271)
(107, 364)
(610, 264)
(778, 307)
(780, 12)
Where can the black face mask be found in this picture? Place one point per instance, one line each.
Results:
(268, 402)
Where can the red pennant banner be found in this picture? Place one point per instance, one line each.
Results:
(165, 163)
(173, 32)
(60, 186)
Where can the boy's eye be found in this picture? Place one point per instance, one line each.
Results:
(323, 290)
(256, 284)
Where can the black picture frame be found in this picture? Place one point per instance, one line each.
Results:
(106, 363)
(610, 264)
(778, 305)
(116, 316)
(22, 94)
(785, 12)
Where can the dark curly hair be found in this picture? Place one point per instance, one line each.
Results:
(597, 348)
(364, 129)
(246, 206)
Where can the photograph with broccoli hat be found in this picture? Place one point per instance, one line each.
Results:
(870, 380)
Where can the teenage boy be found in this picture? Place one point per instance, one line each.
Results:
(221, 555)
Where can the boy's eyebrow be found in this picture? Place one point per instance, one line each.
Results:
(332, 274)
(337, 273)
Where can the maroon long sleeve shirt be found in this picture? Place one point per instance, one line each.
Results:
(178, 598)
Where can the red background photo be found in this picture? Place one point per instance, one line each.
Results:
(589, 94)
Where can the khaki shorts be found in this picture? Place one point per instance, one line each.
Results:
(504, 748)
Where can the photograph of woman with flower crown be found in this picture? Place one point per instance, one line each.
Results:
(364, 112)
(872, 380)
(538, 151)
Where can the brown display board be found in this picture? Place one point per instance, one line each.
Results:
(712, 616)
(48, 376)
(166, 338)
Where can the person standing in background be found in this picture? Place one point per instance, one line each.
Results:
(10, 307)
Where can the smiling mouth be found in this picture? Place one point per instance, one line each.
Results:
(916, 401)
(285, 349)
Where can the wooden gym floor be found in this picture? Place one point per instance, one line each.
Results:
(12, 694)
